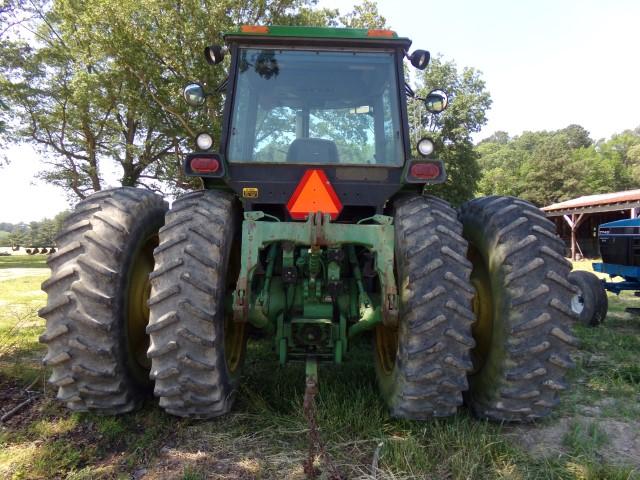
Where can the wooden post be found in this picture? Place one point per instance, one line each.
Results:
(574, 223)
(573, 237)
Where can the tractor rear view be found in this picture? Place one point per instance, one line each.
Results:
(312, 227)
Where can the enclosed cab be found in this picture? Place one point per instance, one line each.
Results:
(620, 242)
(301, 97)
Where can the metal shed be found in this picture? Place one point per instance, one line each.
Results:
(577, 219)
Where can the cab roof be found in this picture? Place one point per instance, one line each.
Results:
(315, 34)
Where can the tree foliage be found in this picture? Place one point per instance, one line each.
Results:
(452, 130)
(96, 86)
(548, 167)
(365, 15)
(34, 234)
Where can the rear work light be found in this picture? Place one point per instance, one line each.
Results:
(204, 165)
(425, 171)
(381, 33)
(254, 29)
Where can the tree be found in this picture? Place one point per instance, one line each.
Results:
(37, 233)
(547, 167)
(99, 83)
(4, 238)
(365, 15)
(96, 85)
(576, 136)
(452, 130)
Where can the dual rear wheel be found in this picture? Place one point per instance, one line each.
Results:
(485, 307)
(133, 299)
(485, 314)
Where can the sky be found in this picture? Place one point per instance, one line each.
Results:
(546, 63)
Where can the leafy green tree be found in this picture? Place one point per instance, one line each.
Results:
(365, 15)
(99, 84)
(547, 167)
(452, 130)
(633, 154)
(37, 233)
(4, 238)
(20, 237)
(95, 86)
(577, 136)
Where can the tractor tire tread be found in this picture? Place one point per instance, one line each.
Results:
(435, 326)
(533, 356)
(187, 363)
(81, 348)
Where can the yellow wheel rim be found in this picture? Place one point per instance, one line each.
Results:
(386, 348)
(137, 308)
(233, 342)
(482, 306)
(234, 332)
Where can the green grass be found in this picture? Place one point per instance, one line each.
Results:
(584, 438)
(21, 293)
(608, 365)
(23, 261)
(20, 326)
(265, 435)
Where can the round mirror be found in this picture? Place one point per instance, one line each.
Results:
(194, 94)
(437, 101)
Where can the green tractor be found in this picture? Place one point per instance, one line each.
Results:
(313, 227)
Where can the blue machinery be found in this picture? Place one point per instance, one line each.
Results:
(620, 250)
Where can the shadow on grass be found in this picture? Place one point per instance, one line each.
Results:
(46, 441)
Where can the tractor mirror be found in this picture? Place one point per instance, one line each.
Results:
(437, 101)
(194, 94)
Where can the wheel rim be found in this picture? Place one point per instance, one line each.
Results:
(386, 348)
(482, 306)
(577, 303)
(233, 342)
(234, 332)
(137, 307)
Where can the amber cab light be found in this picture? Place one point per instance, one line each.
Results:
(374, 32)
(254, 29)
(204, 165)
(425, 171)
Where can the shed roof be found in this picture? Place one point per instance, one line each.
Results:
(604, 202)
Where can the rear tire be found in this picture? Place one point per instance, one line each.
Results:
(96, 306)
(196, 349)
(422, 365)
(591, 303)
(522, 305)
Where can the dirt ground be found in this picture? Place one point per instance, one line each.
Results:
(622, 444)
(11, 395)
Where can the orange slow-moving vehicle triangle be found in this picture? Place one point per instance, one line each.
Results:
(313, 194)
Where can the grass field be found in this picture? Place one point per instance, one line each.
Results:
(23, 261)
(593, 435)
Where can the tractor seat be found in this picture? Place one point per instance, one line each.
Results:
(312, 150)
